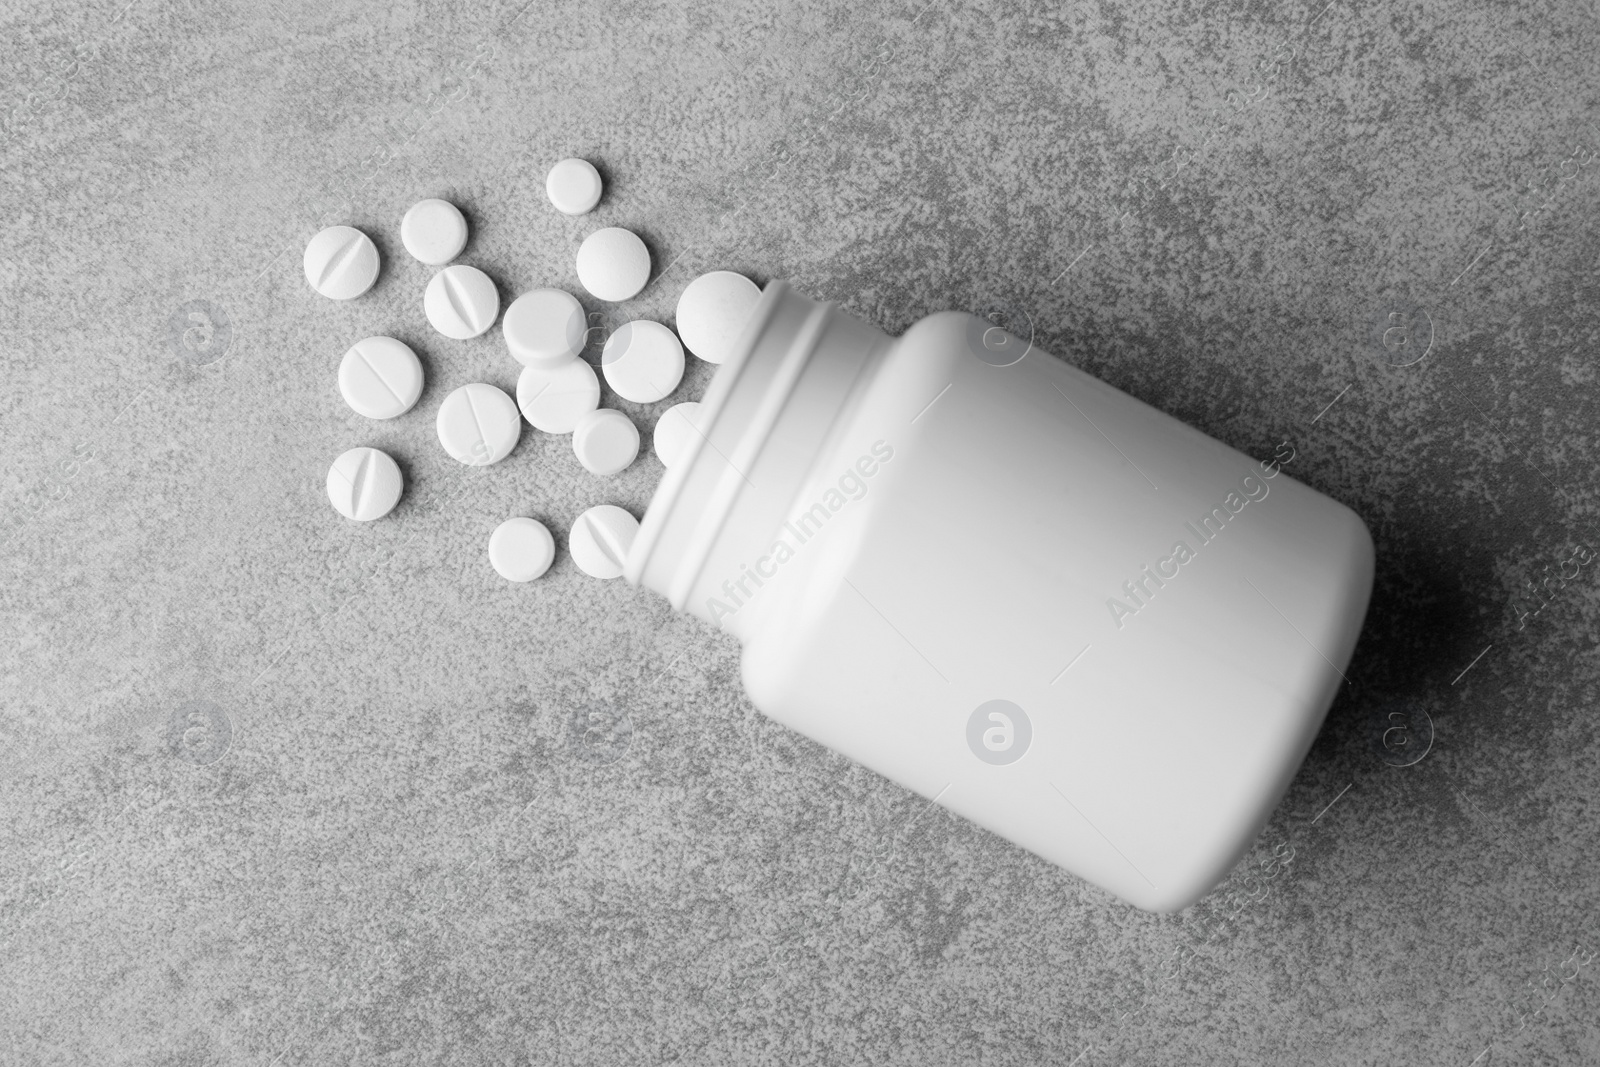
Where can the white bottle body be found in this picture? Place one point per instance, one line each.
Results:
(963, 534)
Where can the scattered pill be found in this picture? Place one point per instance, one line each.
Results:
(555, 400)
(461, 302)
(675, 431)
(606, 441)
(545, 328)
(642, 361)
(341, 262)
(380, 377)
(613, 264)
(521, 549)
(478, 424)
(712, 313)
(600, 540)
(573, 186)
(364, 484)
(434, 231)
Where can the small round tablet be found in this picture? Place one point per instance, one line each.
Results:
(461, 302)
(613, 264)
(521, 549)
(555, 400)
(434, 231)
(341, 262)
(545, 328)
(642, 361)
(478, 424)
(364, 484)
(573, 186)
(380, 377)
(606, 441)
(675, 431)
(712, 313)
(600, 541)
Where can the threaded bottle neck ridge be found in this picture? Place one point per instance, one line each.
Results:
(763, 424)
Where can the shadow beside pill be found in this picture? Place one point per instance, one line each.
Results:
(387, 247)
(471, 215)
(606, 179)
(658, 264)
(430, 370)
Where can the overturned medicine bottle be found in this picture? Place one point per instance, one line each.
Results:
(1012, 588)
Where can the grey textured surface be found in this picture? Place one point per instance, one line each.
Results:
(279, 789)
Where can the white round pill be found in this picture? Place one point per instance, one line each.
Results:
(675, 431)
(600, 540)
(556, 400)
(341, 262)
(613, 264)
(573, 186)
(521, 549)
(380, 377)
(712, 313)
(478, 424)
(364, 484)
(434, 231)
(545, 328)
(606, 441)
(642, 361)
(461, 302)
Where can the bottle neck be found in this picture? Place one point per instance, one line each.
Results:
(766, 418)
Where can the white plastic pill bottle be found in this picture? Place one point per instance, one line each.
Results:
(1012, 588)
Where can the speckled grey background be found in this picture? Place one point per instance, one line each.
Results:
(281, 789)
